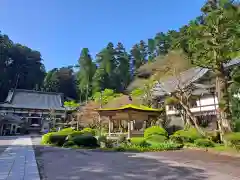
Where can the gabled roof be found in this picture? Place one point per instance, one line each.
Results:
(131, 107)
(184, 79)
(30, 99)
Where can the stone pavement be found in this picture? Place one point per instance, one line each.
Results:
(18, 162)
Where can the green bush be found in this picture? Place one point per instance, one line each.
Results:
(86, 141)
(74, 134)
(139, 141)
(66, 130)
(158, 147)
(157, 138)
(89, 131)
(155, 130)
(45, 139)
(204, 143)
(233, 139)
(213, 136)
(110, 143)
(69, 144)
(57, 139)
(183, 136)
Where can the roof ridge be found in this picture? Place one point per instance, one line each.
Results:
(35, 91)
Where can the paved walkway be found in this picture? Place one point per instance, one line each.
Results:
(18, 162)
(65, 164)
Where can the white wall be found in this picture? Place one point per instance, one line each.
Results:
(206, 102)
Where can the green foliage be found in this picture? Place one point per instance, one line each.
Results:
(233, 139)
(213, 41)
(102, 139)
(106, 96)
(158, 147)
(122, 139)
(57, 138)
(204, 143)
(139, 141)
(155, 130)
(69, 144)
(71, 104)
(137, 92)
(89, 131)
(183, 136)
(86, 141)
(66, 130)
(155, 138)
(74, 134)
(45, 139)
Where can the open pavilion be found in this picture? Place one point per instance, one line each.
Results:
(130, 113)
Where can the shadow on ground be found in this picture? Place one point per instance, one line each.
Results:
(62, 164)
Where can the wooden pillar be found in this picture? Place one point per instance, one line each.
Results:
(1, 132)
(129, 126)
(109, 125)
(11, 128)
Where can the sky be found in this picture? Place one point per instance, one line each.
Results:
(59, 29)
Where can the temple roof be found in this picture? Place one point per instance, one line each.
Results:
(186, 78)
(30, 99)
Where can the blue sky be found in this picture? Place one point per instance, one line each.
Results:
(59, 29)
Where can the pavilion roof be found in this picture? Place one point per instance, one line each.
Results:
(132, 107)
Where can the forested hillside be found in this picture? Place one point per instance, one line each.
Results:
(114, 67)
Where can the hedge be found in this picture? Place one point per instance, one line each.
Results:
(155, 130)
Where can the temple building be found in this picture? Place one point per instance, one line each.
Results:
(204, 106)
(31, 110)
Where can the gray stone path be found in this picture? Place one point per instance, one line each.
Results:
(18, 162)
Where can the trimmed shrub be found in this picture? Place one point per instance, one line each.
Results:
(183, 136)
(57, 139)
(233, 139)
(204, 143)
(66, 130)
(157, 138)
(45, 139)
(158, 147)
(86, 141)
(89, 131)
(69, 144)
(74, 134)
(139, 142)
(155, 130)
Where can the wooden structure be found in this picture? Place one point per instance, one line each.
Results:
(130, 113)
(34, 108)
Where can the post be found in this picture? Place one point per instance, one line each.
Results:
(129, 126)
(109, 125)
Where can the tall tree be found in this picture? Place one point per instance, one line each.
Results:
(162, 42)
(20, 67)
(136, 56)
(86, 73)
(212, 44)
(105, 76)
(123, 67)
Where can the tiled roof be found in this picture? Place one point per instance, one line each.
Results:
(31, 99)
(185, 78)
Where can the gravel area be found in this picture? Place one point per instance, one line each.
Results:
(66, 164)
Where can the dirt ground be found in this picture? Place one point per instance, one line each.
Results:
(66, 164)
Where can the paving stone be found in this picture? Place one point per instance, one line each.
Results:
(18, 162)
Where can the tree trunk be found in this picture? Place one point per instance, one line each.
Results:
(192, 117)
(224, 115)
